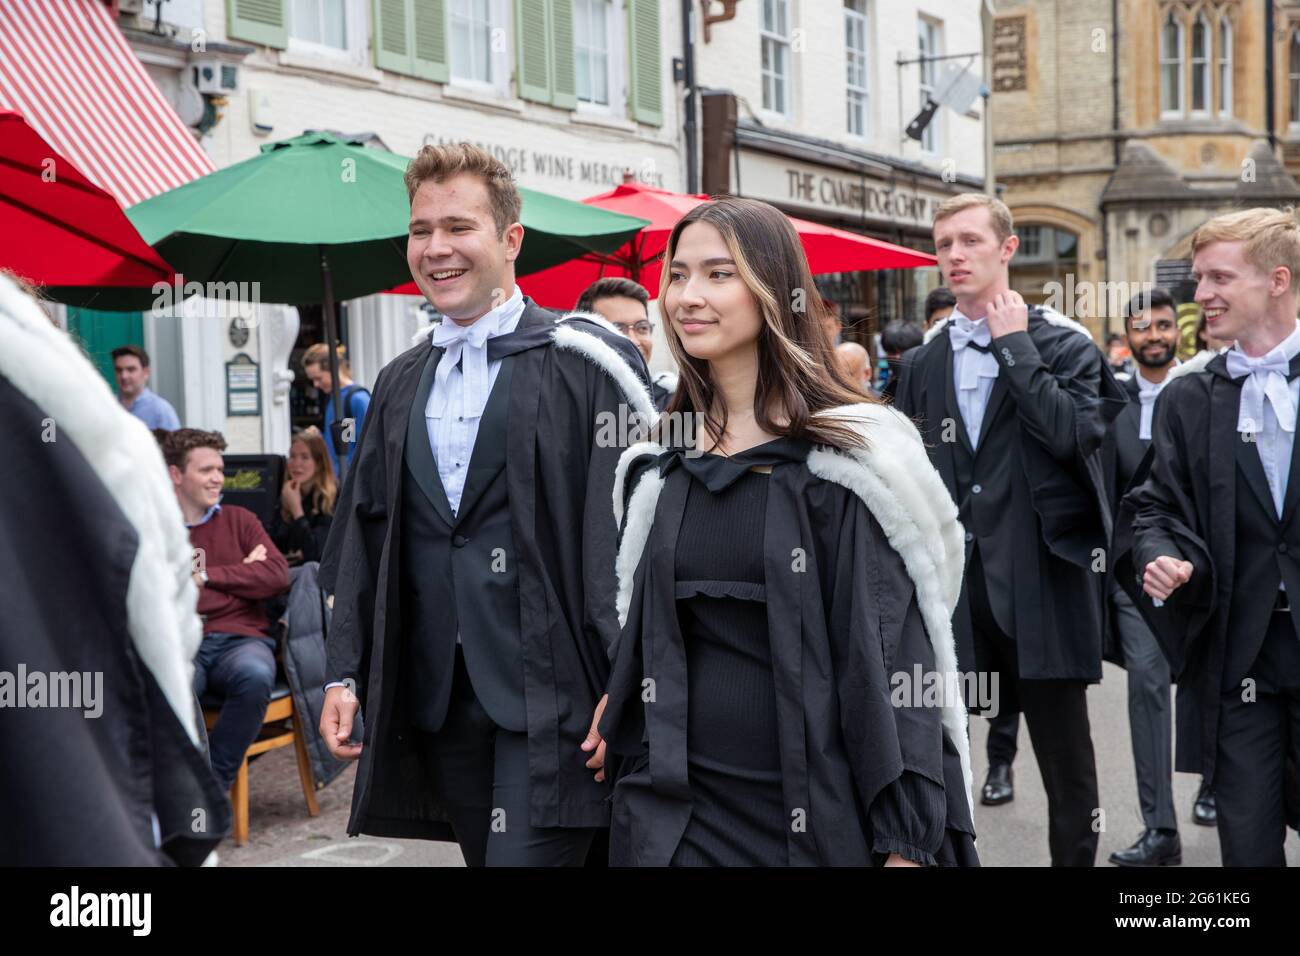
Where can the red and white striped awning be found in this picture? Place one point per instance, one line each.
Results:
(67, 68)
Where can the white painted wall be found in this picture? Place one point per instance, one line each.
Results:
(732, 60)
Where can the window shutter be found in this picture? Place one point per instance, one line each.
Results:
(645, 75)
(258, 21)
(392, 32)
(430, 53)
(564, 85)
(532, 41)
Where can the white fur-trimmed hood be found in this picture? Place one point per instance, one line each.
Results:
(1194, 364)
(46, 366)
(894, 478)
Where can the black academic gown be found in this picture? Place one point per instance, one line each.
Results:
(1122, 452)
(560, 481)
(1185, 502)
(842, 617)
(86, 790)
(1045, 419)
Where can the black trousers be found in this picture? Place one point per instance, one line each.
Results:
(1056, 713)
(480, 775)
(1255, 737)
(1001, 743)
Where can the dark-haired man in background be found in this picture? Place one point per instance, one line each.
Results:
(237, 568)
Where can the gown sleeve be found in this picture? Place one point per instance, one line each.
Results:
(920, 809)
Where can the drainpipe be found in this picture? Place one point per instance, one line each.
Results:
(1269, 104)
(690, 122)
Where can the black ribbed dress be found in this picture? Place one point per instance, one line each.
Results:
(737, 812)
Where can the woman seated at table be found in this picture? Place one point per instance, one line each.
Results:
(301, 524)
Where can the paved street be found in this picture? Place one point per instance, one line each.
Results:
(1011, 835)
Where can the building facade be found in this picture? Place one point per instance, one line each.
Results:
(571, 94)
(1120, 127)
(806, 105)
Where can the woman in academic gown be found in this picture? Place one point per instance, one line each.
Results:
(786, 583)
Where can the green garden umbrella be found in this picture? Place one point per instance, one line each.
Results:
(319, 217)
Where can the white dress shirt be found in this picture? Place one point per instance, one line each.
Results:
(460, 393)
(973, 371)
(1147, 393)
(1274, 438)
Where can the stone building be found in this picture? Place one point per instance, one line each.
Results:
(1120, 126)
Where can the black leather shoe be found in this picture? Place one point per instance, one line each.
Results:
(1153, 848)
(1204, 810)
(998, 787)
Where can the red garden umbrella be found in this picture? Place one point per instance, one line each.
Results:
(60, 231)
(828, 249)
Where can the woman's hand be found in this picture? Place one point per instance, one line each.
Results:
(896, 860)
(595, 742)
(291, 498)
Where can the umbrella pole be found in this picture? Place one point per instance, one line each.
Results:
(332, 340)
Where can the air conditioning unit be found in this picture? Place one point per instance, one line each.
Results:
(215, 77)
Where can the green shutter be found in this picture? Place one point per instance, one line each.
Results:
(258, 21)
(430, 54)
(563, 86)
(392, 35)
(532, 41)
(645, 73)
(101, 332)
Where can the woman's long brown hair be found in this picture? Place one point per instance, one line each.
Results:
(797, 370)
(324, 489)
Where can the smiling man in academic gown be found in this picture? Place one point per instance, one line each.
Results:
(1209, 544)
(1013, 404)
(472, 551)
(1151, 327)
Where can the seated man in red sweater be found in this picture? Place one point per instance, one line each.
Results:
(236, 569)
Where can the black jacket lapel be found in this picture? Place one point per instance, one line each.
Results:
(996, 397)
(419, 453)
(1252, 467)
(489, 454)
(949, 392)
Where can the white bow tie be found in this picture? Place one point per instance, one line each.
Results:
(1266, 379)
(466, 344)
(964, 332)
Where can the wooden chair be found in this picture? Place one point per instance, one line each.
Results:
(281, 727)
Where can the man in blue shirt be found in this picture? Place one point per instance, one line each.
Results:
(131, 368)
(354, 399)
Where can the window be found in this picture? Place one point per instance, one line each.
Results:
(471, 41)
(1047, 254)
(1225, 66)
(1201, 65)
(928, 45)
(591, 50)
(1171, 66)
(776, 56)
(1293, 76)
(320, 23)
(855, 52)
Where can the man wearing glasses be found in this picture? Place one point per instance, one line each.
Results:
(626, 305)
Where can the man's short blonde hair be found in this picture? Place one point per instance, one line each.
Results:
(1272, 237)
(441, 163)
(999, 214)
